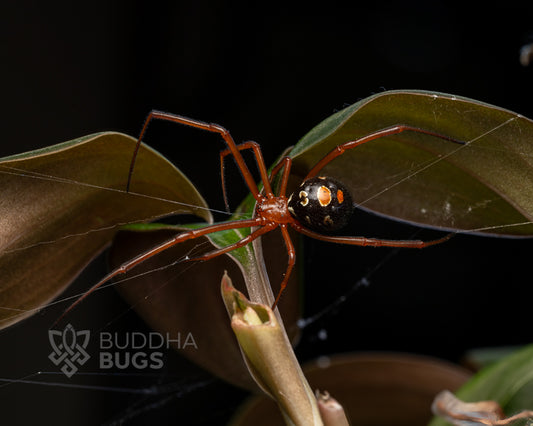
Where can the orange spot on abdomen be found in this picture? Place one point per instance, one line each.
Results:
(340, 196)
(324, 196)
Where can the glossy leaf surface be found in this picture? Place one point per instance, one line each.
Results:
(484, 186)
(62, 205)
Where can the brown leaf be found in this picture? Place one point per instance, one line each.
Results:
(62, 205)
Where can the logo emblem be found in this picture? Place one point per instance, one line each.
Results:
(69, 348)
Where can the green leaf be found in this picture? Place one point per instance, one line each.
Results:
(484, 186)
(62, 205)
(508, 382)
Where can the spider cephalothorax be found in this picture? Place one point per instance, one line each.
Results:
(322, 204)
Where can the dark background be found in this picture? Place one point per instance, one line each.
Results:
(267, 74)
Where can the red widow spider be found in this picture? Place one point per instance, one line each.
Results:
(320, 204)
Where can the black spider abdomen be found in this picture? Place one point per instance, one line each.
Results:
(321, 204)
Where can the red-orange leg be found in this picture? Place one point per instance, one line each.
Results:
(189, 235)
(260, 166)
(241, 243)
(369, 242)
(211, 127)
(290, 264)
(340, 149)
(285, 164)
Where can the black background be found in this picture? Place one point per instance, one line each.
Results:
(268, 74)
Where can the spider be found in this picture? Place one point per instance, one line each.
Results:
(319, 206)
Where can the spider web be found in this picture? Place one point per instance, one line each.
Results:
(368, 297)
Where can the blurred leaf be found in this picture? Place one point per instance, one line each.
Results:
(62, 205)
(478, 358)
(508, 382)
(485, 186)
